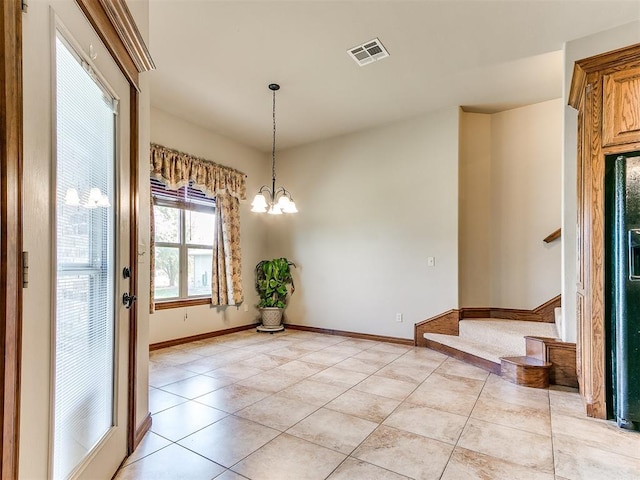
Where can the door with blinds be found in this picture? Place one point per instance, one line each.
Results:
(87, 198)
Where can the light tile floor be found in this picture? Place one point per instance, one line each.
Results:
(299, 405)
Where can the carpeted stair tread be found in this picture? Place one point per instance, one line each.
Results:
(505, 335)
(479, 349)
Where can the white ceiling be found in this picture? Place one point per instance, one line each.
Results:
(215, 59)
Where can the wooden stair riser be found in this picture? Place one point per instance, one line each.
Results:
(447, 322)
(544, 313)
(535, 347)
(562, 356)
(526, 371)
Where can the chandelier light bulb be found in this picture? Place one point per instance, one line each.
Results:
(104, 201)
(274, 210)
(94, 195)
(259, 203)
(72, 198)
(290, 207)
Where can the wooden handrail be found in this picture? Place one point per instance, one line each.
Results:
(553, 236)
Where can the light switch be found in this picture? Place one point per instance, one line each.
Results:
(431, 261)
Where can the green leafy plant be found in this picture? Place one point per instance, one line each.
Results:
(273, 278)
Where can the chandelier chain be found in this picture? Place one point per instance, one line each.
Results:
(273, 148)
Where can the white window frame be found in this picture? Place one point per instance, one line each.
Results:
(183, 247)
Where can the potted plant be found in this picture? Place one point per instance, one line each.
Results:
(273, 278)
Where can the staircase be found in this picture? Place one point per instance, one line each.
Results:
(524, 352)
(499, 346)
(492, 338)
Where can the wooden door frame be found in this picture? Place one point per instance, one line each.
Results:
(11, 232)
(117, 29)
(587, 95)
(114, 24)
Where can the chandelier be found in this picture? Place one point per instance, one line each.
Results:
(269, 199)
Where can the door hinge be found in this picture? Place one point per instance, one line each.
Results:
(25, 6)
(25, 269)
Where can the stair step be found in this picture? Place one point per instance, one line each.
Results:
(490, 352)
(457, 352)
(499, 346)
(526, 371)
(507, 336)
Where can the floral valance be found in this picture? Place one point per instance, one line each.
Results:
(175, 169)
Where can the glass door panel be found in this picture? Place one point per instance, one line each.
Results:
(85, 324)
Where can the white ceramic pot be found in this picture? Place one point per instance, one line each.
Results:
(271, 316)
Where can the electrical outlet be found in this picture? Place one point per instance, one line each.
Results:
(245, 307)
(398, 317)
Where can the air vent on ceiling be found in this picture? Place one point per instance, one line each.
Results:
(368, 52)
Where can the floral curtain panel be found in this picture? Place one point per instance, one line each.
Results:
(228, 186)
(152, 257)
(226, 277)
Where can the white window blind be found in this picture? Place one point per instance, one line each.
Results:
(186, 196)
(84, 287)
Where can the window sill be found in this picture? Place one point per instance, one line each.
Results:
(191, 302)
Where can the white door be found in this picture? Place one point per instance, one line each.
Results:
(76, 226)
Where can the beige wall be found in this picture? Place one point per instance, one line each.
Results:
(179, 134)
(575, 50)
(373, 206)
(526, 154)
(510, 194)
(475, 210)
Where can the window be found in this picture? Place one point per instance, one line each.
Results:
(84, 260)
(184, 228)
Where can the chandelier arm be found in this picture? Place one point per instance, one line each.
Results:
(282, 191)
(267, 189)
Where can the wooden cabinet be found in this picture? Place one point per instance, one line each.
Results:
(621, 109)
(605, 90)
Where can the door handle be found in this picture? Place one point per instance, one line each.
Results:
(634, 254)
(128, 300)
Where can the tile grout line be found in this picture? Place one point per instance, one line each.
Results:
(465, 425)
(379, 423)
(285, 431)
(553, 450)
(385, 418)
(347, 456)
(271, 394)
(151, 453)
